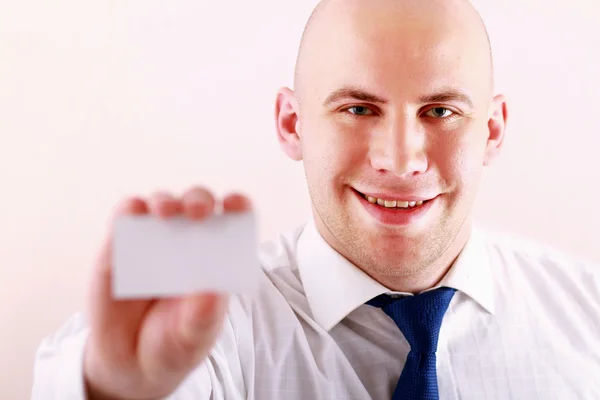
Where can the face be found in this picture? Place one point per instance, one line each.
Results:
(394, 134)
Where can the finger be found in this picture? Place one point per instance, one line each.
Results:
(164, 205)
(130, 206)
(236, 203)
(198, 203)
(100, 293)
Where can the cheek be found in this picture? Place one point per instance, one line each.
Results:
(332, 149)
(459, 159)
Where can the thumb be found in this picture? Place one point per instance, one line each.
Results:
(201, 317)
(178, 334)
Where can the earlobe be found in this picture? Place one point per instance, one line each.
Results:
(496, 127)
(287, 123)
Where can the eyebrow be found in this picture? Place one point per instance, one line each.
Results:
(447, 95)
(349, 92)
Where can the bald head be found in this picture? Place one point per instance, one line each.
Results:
(393, 99)
(425, 22)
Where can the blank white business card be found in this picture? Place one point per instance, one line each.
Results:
(155, 257)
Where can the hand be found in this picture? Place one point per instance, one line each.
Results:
(144, 349)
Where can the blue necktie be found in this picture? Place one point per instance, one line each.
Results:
(419, 318)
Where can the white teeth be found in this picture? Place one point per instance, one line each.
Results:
(394, 203)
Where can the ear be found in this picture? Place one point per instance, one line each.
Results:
(288, 123)
(496, 127)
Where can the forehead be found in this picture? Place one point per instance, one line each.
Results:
(400, 58)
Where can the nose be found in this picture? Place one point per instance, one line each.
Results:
(399, 148)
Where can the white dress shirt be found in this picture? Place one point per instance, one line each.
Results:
(524, 324)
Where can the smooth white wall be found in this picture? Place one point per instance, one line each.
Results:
(103, 99)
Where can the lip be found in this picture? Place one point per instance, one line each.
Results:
(395, 216)
(397, 196)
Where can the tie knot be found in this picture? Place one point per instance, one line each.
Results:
(418, 317)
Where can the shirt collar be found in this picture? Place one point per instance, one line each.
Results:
(335, 287)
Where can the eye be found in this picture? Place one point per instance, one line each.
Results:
(440, 112)
(360, 110)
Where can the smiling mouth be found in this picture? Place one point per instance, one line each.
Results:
(397, 204)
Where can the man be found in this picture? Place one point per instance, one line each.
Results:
(389, 292)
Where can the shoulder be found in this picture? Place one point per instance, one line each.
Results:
(535, 252)
(536, 264)
(281, 251)
(279, 279)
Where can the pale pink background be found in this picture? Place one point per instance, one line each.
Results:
(107, 98)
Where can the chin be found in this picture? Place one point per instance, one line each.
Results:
(384, 240)
(391, 256)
